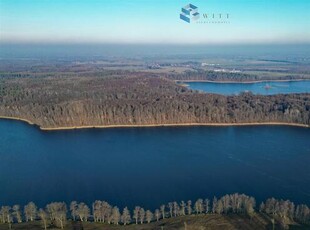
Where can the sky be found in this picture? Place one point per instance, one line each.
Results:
(156, 21)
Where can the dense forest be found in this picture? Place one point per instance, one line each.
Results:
(207, 75)
(56, 214)
(138, 100)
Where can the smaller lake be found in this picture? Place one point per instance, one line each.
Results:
(264, 88)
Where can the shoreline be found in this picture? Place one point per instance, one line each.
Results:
(157, 125)
(18, 119)
(240, 82)
(175, 125)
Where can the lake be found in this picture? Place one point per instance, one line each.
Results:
(264, 88)
(151, 166)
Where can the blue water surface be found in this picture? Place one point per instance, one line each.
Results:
(151, 166)
(264, 88)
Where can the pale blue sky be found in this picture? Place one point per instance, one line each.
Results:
(157, 21)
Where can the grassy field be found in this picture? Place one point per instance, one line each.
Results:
(195, 222)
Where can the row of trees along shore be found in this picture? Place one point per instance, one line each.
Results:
(282, 212)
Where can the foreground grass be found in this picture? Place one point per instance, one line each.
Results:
(195, 222)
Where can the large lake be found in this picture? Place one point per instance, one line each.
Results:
(265, 88)
(151, 166)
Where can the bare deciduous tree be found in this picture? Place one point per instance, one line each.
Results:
(207, 206)
(214, 204)
(157, 214)
(163, 212)
(83, 211)
(116, 216)
(106, 210)
(30, 211)
(189, 207)
(136, 212)
(58, 213)
(149, 216)
(44, 217)
(3, 214)
(261, 207)
(226, 203)
(199, 206)
(142, 215)
(249, 206)
(170, 206)
(126, 218)
(219, 207)
(182, 208)
(17, 213)
(73, 208)
(176, 209)
(6, 215)
(97, 208)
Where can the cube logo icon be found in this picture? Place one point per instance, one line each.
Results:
(189, 13)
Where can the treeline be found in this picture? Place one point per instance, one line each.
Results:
(285, 211)
(58, 213)
(91, 101)
(209, 75)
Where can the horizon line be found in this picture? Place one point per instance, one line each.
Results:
(155, 43)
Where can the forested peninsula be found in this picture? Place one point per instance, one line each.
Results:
(212, 76)
(78, 101)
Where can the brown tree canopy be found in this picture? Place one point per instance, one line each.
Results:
(52, 102)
